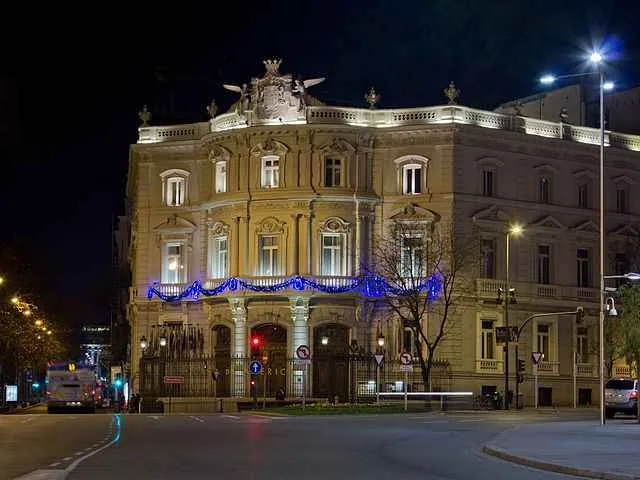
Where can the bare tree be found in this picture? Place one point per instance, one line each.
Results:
(429, 269)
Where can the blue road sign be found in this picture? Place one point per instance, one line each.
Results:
(255, 367)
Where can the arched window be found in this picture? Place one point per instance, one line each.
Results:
(333, 243)
(174, 187)
(412, 174)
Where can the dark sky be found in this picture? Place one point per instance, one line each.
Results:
(72, 82)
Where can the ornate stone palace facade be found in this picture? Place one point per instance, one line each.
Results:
(273, 207)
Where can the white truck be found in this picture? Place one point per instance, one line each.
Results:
(70, 386)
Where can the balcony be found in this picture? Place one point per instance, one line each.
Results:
(487, 365)
(548, 368)
(584, 370)
(621, 371)
(487, 288)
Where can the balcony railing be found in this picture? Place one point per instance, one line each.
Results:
(488, 288)
(622, 371)
(584, 370)
(486, 365)
(549, 368)
(387, 118)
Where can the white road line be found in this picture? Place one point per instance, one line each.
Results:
(155, 417)
(269, 417)
(28, 419)
(197, 419)
(55, 464)
(116, 438)
(77, 454)
(230, 416)
(95, 445)
(66, 459)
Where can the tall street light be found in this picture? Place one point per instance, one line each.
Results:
(514, 230)
(597, 59)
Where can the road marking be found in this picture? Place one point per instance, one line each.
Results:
(197, 419)
(55, 464)
(28, 419)
(155, 417)
(269, 417)
(230, 416)
(66, 459)
(116, 439)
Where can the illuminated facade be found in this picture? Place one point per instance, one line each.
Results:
(274, 206)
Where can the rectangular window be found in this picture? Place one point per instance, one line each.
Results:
(218, 257)
(173, 265)
(543, 264)
(544, 193)
(221, 177)
(488, 259)
(583, 268)
(621, 200)
(583, 195)
(333, 255)
(488, 186)
(543, 340)
(408, 345)
(582, 345)
(175, 191)
(488, 341)
(412, 180)
(412, 256)
(269, 255)
(332, 172)
(271, 172)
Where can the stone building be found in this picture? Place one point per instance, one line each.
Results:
(257, 223)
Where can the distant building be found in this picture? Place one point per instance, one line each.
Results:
(120, 281)
(95, 346)
(256, 223)
(579, 104)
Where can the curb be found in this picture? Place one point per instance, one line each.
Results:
(553, 467)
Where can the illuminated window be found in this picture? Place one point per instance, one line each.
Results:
(542, 337)
(408, 342)
(412, 255)
(270, 171)
(174, 187)
(333, 254)
(218, 257)
(412, 179)
(269, 255)
(173, 263)
(582, 345)
(221, 177)
(332, 172)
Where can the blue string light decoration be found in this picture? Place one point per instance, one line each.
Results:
(372, 286)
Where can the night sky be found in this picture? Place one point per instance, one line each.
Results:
(72, 82)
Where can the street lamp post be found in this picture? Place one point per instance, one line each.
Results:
(515, 230)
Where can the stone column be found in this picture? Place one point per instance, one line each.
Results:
(243, 248)
(239, 367)
(300, 336)
(305, 250)
(293, 250)
(235, 251)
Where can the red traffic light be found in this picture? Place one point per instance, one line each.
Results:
(253, 382)
(255, 341)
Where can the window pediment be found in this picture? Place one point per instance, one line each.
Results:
(491, 214)
(548, 221)
(270, 225)
(217, 228)
(219, 153)
(335, 225)
(622, 179)
(417, 159)
(588, 226)
(338, 146)
(175, 225)
(584, 174)
(545, 168)
(489, 162)
(269, 147)
(178, 172)
(625, 230)
(415, 214)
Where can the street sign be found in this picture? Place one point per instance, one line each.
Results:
(406, 368)
(215, 374)
(406, 359)
(173, 379)
(503, 332)
(303, 352)
(11, 393)
(379, 359)
(255, 367)
(536, 357)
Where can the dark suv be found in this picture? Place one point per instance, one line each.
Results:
(621, 395)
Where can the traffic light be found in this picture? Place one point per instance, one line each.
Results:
(521, 366)
(255, 347)
(520, 377)
(118, 381)
(579, 315)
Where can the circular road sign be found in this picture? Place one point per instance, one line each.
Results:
(405, 358)
(255, 367)
(303, 352)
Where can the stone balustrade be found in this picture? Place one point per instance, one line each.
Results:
(487, 288)
(486, 365)
(387, 118)
(548, 368)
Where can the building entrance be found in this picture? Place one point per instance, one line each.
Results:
(221, 341)
(272, 353)
(331, 362)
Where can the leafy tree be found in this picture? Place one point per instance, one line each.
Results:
(429, 267)
(629, 325)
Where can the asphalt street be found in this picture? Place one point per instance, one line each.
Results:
(254, 446)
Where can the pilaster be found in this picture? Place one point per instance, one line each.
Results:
(239, 347)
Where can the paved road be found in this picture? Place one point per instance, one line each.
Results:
(414, 446)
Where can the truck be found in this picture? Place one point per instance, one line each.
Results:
(70, 385)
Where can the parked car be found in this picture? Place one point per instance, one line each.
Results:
(621, 395)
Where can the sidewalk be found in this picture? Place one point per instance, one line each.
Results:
(582, 448)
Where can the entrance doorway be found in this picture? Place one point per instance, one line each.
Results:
(221, 341)
(331, 362)
(273, 356)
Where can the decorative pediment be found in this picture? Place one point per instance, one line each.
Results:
(339, 146)
(269, 147)
(415, 214)
(588, 226)
(335, 225)
(175, 225)
(545, 167)
(548, 222)
(584, 173)
(219, 153)
(489, 162)
(623, 179)
(217, 228)
(492, 214)
(625, 230)
(270, 225)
